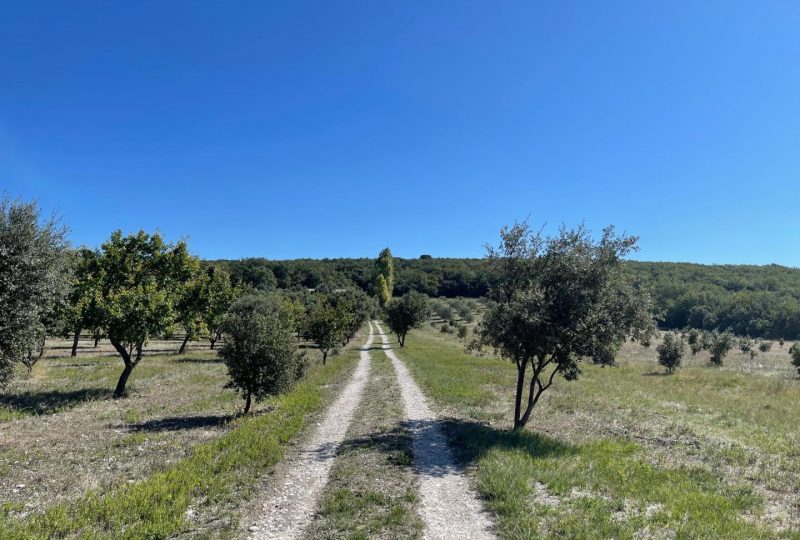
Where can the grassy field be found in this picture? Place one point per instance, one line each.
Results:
(172, 458)
(626, 451)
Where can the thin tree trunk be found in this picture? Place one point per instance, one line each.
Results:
(183, 345)
(247, 404)
(123, 380)
(96, 341)
(521, 367)
(75, 343)
(324, 357)
(119, 391)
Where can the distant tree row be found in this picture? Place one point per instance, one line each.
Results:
(759, 301)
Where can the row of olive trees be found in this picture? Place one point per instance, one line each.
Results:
(133, 289)
(262, 331)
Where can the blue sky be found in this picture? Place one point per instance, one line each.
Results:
(300, 129)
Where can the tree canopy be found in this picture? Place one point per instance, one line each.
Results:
(34, 273)
(557, 300)
(407, 312)
(260, 349)
(141, 279)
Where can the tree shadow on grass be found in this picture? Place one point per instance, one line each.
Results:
(395, 443)
(467, 442)
(178, 423)
(49, 402)
(656, 374)
(189, 359)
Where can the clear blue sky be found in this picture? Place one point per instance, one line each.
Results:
(292, 129)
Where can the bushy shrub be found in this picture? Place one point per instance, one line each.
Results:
(694, 336)
(260, 350)
(605, 357)
(745, 344)
(720, 344)
(671, 351)
(794, 352)
(443, 311)
(765, 346)
(696, 347)
(463, 331)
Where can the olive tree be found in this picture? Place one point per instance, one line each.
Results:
(260, 350)
(81, 309)
(557, 300)
(353, 308)
(34, 274)
(220, 296)
(719, 344)
(140, 281)
(670, 351)
(325, 325)
(192, 304)
(407, 312)
(794, 352)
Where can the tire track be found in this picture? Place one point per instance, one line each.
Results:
(449, 506)
(292, 502)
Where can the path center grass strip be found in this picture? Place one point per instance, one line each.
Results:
(217, 473)
(540, 486)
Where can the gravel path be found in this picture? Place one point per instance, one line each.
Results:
(292, 502)
(450, 508)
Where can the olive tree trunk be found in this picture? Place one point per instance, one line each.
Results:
(183, 345)
(130, 363)
(75, 343)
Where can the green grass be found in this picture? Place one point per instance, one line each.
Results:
(620, 452)
(372, 491)
(216, 474)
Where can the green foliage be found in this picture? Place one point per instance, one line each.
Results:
(745, 344)
(384, 266)
(82, 307)
(382, 290)
(192, 304)
(34, 275)
(606, 356)
(334, 318)
(260, 349)
(794, 353)
(696, 347)
(764, 346)
(760, 301)
(407, 312)
(720, 343)
(220, 296)
(463, 332)
(671, 351)
(140, 279)
(557, 300)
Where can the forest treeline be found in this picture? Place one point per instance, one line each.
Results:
(759, 301)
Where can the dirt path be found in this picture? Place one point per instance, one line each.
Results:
(450, 508)
(292, 501)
